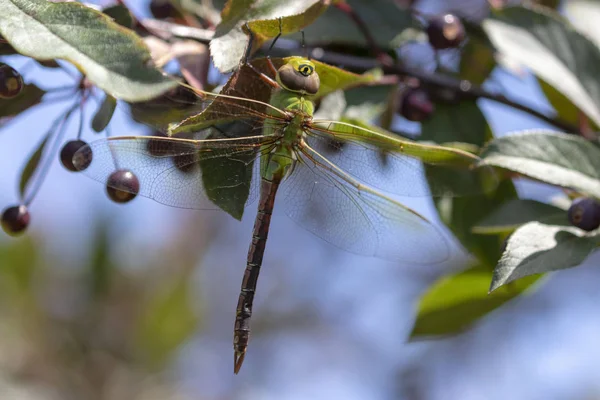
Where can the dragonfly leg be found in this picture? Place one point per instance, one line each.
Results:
(265, 78)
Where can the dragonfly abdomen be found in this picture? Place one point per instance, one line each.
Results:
(260, 232)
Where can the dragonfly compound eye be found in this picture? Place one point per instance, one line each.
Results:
(306, 69)
(300, 78)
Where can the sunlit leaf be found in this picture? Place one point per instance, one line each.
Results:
(229, 43)
(112, 57)
(584, 15)
(536, 248)
(559, 159)
(548, 44)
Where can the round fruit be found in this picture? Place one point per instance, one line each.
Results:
(584, 213)
(162, 9)
(416, 105)
(122, 186)
(11, 82)
(68, 152)
(445, 31)
(15, 219)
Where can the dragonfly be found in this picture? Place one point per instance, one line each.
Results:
(330, 175)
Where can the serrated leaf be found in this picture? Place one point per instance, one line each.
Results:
(536, 248)
(104, 114)
(514, 213)
(229, 43)
(558, 159)
(32, 164)
(455, 302)
(112, 57)
(466, 123)
(29, 97)
(547, 43)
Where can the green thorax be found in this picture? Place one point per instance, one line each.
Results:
(291, 101)
(279, 163)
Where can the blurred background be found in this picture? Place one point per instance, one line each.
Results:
(137, 301)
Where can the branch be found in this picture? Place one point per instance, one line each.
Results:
(464, 88)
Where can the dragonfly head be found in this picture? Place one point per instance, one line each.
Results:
(299, 75)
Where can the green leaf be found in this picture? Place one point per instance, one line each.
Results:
(229, 43)
(477, 59)
(112, 57)
(168, 320)
(455, 302)
(514, 213)
(19, 261)
(536, 248)
(32, 164)
(104, 114)
(465, 122)
(221, 178)
(29, 97)
(564, 108)
(558, 159)
(547, 43)
(584, 15)
(386, 20)
(120, 14)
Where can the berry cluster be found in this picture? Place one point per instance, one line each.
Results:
(75, 155)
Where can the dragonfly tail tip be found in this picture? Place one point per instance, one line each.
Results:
(238, 360)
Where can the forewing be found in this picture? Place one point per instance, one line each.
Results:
(197, 174)
(356, 218)
(396, 165)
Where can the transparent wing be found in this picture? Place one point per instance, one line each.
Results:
(339, 209)
(400, 166)
(198, 109)
(198, 174)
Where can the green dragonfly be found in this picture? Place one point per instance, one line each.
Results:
(334, 175)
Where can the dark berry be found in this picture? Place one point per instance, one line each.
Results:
(416, 105)
(122, 186)
(162, 9)
(445, 31)
(15, 219)
(584, 213)
(11, 82)
(67, 156)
